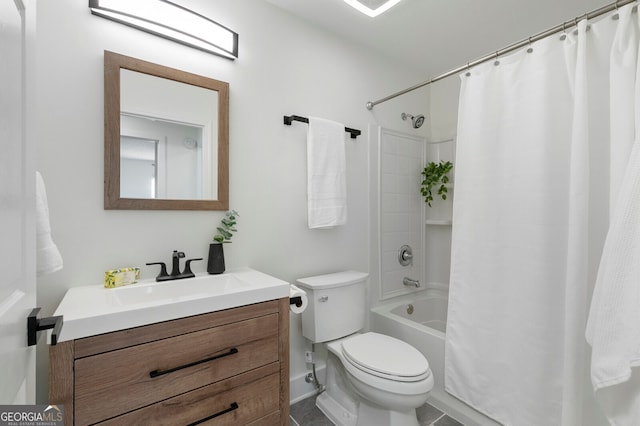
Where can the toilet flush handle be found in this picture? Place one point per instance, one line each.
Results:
(323, 299)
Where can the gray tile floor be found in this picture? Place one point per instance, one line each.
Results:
(305, 413)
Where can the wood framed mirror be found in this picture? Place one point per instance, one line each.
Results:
(166, 137)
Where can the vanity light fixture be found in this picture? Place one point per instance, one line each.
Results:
(171, 21)
(372, 8)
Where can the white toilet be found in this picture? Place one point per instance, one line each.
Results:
(371, 379)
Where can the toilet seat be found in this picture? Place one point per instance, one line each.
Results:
(385, 357)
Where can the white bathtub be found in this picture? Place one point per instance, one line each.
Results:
(421, 322)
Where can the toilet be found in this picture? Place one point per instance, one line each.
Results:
(371, 379)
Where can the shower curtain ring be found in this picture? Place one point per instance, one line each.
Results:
(497, 62)
(530, 49)
(575, 22)
(564, 31)
(468, 70)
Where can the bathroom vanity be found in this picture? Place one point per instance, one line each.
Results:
(226, 366)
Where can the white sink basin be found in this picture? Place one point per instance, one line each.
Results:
(178, 290)
(92, 310)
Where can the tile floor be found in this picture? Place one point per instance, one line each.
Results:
(305, 413)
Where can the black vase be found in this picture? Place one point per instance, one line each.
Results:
(215, 265)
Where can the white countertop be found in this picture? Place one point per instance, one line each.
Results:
(92, 310)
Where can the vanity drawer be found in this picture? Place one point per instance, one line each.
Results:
(117, 382)
(241, 400)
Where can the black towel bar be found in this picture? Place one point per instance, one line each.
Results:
(288, 119)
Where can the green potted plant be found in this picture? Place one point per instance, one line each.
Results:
(435, 175)
(225, 231)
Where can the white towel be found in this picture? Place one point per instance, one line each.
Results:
(48, 257)
(613, 327)
(326, 174)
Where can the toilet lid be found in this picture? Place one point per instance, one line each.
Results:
(386, 357)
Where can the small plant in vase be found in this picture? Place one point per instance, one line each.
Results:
(215, 264)
(435, 175)
(227, 227)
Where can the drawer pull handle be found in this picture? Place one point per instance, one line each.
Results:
(156, 373)
(234, 406)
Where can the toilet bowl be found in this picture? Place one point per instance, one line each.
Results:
(389, 377)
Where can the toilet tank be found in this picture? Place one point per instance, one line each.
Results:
(337, 304)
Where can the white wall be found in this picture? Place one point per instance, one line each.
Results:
(286, 66)
(443, 110)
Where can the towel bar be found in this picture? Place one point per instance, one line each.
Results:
(35, 324)
(288, 119)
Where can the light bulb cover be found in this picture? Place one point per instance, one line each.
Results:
(171, 21)
(360, 6)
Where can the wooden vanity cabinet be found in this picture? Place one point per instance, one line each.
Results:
(228, 367)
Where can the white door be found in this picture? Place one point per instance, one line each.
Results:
(17, 205)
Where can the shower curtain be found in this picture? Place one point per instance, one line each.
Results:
(531, 207)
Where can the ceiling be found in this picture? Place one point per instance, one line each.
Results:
(435, 36)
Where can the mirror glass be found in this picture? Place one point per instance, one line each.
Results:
(166, 137)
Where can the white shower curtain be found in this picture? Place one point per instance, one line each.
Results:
(613, 328)
(530, 215)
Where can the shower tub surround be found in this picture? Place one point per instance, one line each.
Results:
(421, 322)
(401, 211)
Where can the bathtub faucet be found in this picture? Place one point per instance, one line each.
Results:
(411, 282)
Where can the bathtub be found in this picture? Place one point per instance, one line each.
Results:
(421, 322)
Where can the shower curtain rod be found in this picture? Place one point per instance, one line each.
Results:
(558, 28)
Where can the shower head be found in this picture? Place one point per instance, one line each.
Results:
(416, 121)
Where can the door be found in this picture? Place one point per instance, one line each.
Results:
(17, 205)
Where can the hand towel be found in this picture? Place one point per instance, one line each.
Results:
(326, 174)
(613, 327)
(48, 258)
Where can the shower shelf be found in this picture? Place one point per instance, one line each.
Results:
(440, 222)
(438, 141)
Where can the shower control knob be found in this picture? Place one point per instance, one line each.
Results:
(405, 255)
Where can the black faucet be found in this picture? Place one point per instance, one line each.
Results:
(175, 268)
